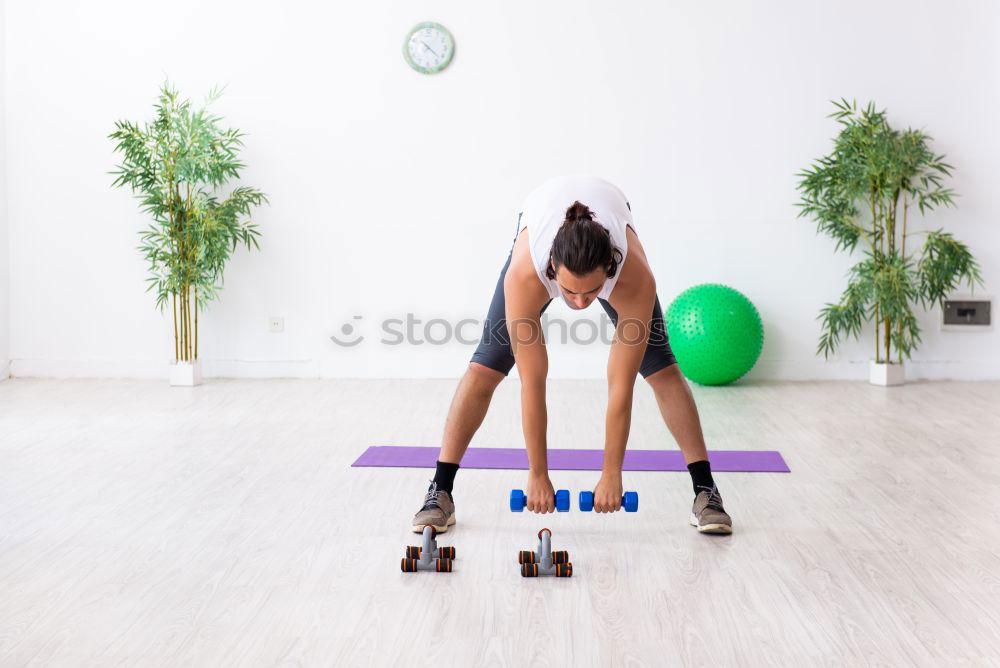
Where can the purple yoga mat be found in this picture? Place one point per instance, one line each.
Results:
(404, 456)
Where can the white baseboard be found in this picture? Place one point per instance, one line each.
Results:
(819, 369)
(765, 370)
(160, 369)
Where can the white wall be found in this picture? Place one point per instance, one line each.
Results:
(4, 244)
(394, 192)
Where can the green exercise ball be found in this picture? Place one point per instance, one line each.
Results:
(715, 333)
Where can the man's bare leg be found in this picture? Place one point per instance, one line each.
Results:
(466, 414)
(676, 402)
(468, 410)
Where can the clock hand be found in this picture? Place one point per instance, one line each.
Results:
(429, 49)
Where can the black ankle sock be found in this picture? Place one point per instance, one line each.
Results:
(701, 475)
(444, 476)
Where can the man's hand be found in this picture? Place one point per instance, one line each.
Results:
(541, 494)
(608, 493)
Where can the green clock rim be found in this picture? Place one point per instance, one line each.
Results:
(420, 68)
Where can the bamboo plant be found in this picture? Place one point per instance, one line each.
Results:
(866, 191)
(175, 166)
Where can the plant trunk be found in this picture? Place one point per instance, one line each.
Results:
(888, 356)
(878, 348)
(173, 299)
(180, 293)
(890, 227)
(875, 240)
(180, 325)
(170, 197)
(902, 252)
(183, 325)
(187, 323)
(187, 317)
(891, 221)
(184, 332)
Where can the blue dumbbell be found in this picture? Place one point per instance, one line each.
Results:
(518, 500)
(630, 501)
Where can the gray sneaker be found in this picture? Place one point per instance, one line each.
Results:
(708, 514)
(438, 511)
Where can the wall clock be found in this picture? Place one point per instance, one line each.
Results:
(428, 47)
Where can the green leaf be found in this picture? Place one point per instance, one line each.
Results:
(174, 165)
(853, 194)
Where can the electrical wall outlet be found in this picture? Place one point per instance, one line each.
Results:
(968, 314)
(275, 324)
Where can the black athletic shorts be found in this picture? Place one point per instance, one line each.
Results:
(494, 349)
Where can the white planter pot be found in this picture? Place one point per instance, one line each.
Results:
(880, 373)
(185, 374)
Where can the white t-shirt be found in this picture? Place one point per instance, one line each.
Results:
(544, 211)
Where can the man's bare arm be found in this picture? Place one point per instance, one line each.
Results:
(524, 298)
(633, 300)
(627, 350)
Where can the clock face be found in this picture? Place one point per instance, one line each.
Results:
(428, 48)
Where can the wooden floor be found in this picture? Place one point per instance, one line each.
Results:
(222, 525)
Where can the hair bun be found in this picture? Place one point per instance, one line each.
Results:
(578, 212)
